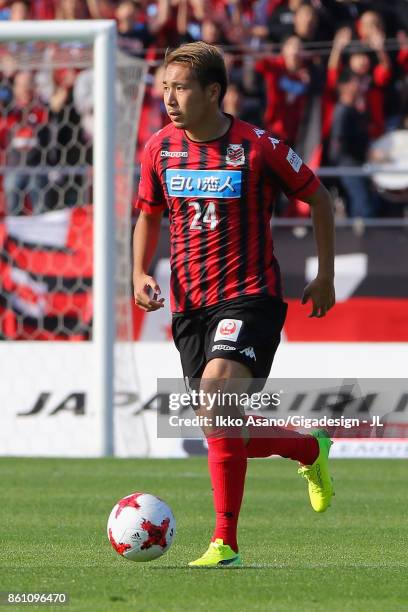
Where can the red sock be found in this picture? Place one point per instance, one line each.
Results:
(227, 463)
(270, 440)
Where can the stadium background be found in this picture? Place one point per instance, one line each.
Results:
(292, 87)
(54, 510)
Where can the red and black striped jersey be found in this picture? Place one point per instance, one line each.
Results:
(220, 196)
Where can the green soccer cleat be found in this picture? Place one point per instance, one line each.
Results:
(218, 555)
(320, 484)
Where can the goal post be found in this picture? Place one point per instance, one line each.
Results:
(102, 36)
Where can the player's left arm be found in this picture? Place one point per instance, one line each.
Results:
(298, 181)
(321, 290)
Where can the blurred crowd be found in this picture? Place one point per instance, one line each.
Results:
(328, 76)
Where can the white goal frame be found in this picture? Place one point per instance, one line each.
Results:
(102, 34)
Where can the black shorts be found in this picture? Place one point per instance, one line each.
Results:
(245, 329)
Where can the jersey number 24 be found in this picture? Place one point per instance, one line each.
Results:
(204, 215)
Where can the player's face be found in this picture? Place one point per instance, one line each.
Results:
(188, 104)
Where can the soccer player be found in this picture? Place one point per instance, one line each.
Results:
(219, 176)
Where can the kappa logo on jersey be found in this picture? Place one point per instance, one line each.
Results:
(235, 155)
(223, 347)
(164, 153)
(204, 183)
(228, 329)
(294, 160)
(259, 132)
(274, 141)
(249, 352)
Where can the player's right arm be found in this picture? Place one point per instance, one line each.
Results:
(145, 239)
(151, 202)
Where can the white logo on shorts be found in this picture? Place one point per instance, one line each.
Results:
(249, 352)
(223, 347)
(228, 329)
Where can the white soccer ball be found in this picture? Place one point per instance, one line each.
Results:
(141, 527)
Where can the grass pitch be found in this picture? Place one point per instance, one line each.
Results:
(352, 558)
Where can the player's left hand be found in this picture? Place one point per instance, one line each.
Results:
(321, 292)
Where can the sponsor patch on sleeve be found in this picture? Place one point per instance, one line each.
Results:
(294, 160)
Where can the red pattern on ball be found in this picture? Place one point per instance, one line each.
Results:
(157, 533)
(131, 501)
(121, 547)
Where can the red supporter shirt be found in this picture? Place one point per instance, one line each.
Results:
(286, 94)
(373, 85)
(220, 196)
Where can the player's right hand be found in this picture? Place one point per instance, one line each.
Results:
(141, 285)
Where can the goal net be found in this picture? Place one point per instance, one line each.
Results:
(55, 353)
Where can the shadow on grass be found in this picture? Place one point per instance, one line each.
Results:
(217, 568)
(293, 568)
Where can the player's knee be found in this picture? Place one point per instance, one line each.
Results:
(225, 377)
